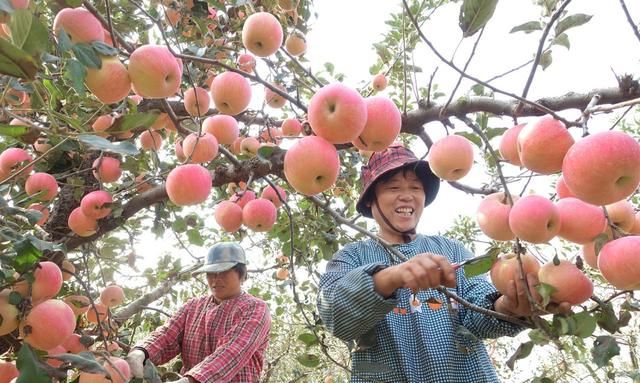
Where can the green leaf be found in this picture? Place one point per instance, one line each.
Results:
(572, 21)
(101, 143)
(474, 14)
(483, 265)
(545, 59)
(64, 42)
(545, 291)
(194, 237)
(607, 319)
(27, 255)
(585, 324)
(30, 372)
(104, 49)
(599, 242)
(549, 6)
(308, 339)
(471, 137)
(83, 361)
(133, 121)
(13, 130)
(562, 40)
(538, 337)
(75, 73)
(495, 132)
(28, 33)
(527, 27)
(308, 360)
(266, 152)
(87, 56)
(15, 298)
(522, 352)
(604, 348)
(16, 62)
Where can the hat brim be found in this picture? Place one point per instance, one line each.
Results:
(215, 268)
(430, 183)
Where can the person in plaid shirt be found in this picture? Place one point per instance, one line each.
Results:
(221, 337)
(367, 294)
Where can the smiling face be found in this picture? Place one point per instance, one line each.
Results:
(225, 285)
(400, 198)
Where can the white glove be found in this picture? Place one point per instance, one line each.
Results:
(181, 380)
(136, 363)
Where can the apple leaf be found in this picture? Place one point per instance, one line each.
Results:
(599, 242)
(308, 339)
(133, 121)
(471, 137)
(522, 352)
(549, 6)
(28, 33)
(75, 73)
(13, 130)
(527, 27)
(604, 348)
(607, 319)
(16, 62)
(27, 255)
(64, 42)
(84, 361)
(562, 40)
(101, 143)
(104, 49)
(585, 324)
(546, 59)
(572, 21)
(545, 290)
(194, 237)
(308, 360)
(27, 363)
(474, 14)
(87, 56)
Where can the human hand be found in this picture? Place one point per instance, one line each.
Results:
(516, 303)
(424, 271)
(135, 358)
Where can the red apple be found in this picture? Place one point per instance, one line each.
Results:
(337, 113)
(14, 159)
(259, 214)
(542, 145)
(228, 215)
(150, 140)
(42, 209)
(80, 24)
(311, 165)
(619, 262)
(200, 149)
(296, 44)
(580, 222)
(622, 215)
(107, 169)
(291, 127)
(379, 82)
(42, 183)
(80, 224)
(534, 219)
(562, 191)
(507, 269)
(383, 124)
(570, 282)
(272, 195)
(249, 146)
(97, 204)
(493, 216)
(246, 62)
(231, 93)
(262, 34)
(224, 128)
(196, 101)
(188, 184)
(154, 71)
(242, 198)
(509, 145)
(273, 99)
(451, 157)
(110, 83)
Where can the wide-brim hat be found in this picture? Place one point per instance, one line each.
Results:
(395, 157)
(222, 257)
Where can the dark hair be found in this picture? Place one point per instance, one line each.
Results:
(386, 177)
(241, 269)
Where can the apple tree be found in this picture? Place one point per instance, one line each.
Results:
(134, 134)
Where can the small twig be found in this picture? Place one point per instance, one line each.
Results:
(587, 113)
(628, 15)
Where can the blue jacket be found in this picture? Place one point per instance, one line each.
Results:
(397, 345)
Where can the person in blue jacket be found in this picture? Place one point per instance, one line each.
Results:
(404, 330)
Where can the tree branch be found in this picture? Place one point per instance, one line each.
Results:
(628, 15)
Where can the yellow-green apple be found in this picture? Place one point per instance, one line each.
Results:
(562, 191)
(196, 101)
(262, 34)
(180, 151)
(533, 218)
(68, 270)
(259, 214)
(291, 127)
(451, 157)
(249, 146)
(603, 168)
(619, 262)
(8, 372)
(110, 83)
(97, 314)
(154, 71)
(150, 140)
(228, 215)
(542, 145)
(231, 93)
(200, 149)
(102, 123)
(272, 195)
(580, 222)
(273, 99)
(622, 215)
(79, 304)
(379, 82)
(160, 122)
(43, 184)
(243, 197)
(47, 281)
(272, 134)
(9, 322)
(80, 224)
(224, 128)
(188, 184)
(246, 62)
(296, 44)
(107, 169)
(311, 165)
(493, 216)
(509, 145)
(15, 159)
(382, 127)
(570, 283)
(80, 24)
(507, 269)
(288, 5)
(48, 324)
(337, 113)
(96, 204)
(42, 209)
(112, 296)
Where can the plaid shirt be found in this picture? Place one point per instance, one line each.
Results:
(427, 346)
(222, 342)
